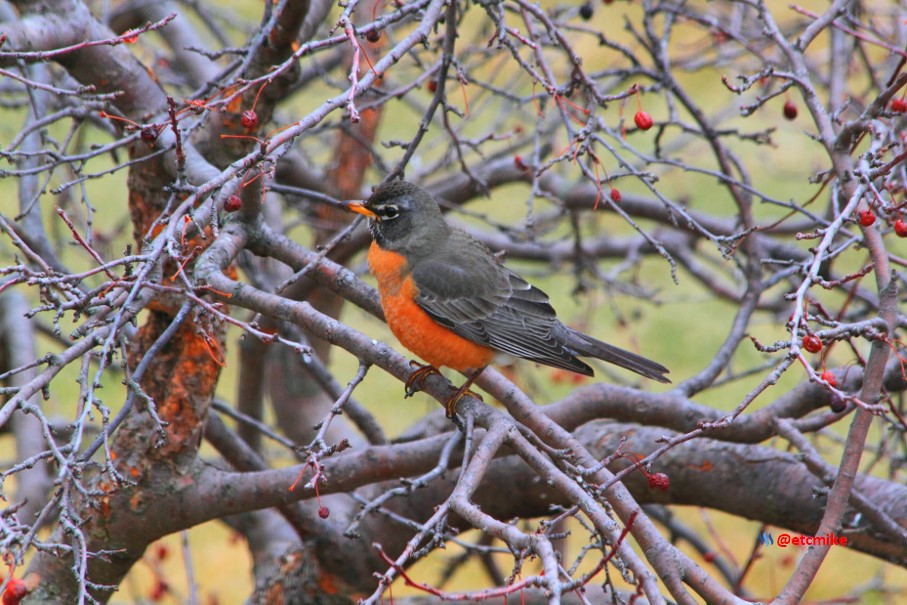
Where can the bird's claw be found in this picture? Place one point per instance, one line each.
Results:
(450, 407)
(416, 380)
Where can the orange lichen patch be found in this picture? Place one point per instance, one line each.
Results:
(328, 583)
(705, 467)
(235, 104)
(412, 326)
(180, 380)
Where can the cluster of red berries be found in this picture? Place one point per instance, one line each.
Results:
(867, 218)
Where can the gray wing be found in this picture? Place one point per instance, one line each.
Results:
(484, 302)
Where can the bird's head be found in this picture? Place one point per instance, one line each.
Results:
(402, 217)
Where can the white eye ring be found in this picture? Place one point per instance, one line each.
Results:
(390, 212)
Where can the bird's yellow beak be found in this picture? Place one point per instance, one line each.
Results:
(359, 208)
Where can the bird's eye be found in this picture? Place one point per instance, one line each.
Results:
(390, 212)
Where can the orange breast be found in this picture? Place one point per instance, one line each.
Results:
(412, 326)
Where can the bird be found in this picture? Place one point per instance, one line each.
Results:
(448, 299)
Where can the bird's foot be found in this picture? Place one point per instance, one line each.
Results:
(416, 380)
(451, 405)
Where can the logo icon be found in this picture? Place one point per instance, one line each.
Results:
(766, 539)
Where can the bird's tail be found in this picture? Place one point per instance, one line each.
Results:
(586, 346)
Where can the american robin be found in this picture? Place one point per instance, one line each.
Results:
(448, 299)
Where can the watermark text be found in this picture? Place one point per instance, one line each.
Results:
(785, 539)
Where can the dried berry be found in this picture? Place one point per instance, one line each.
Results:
(659, 481)
(232, 204)
(520, 165)
(643, 120)
(837, 404)
(790, 110)
(149, 134)
(373, 35)
(585, 11)
(249, 119)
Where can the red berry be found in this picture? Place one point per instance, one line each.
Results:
(15, 592)
(900, 227)
(898, 105)
(829, 377)
(373, 35)
(643, 120)
(520, 165)
(812, 343)
(659, 481)
(432, 86)
(162, 552)
(615, 194)
(867, 218)
(249, 119)
(324, 512)
(790, 110)
(159, 590)
(232, 204)
(709, 557)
